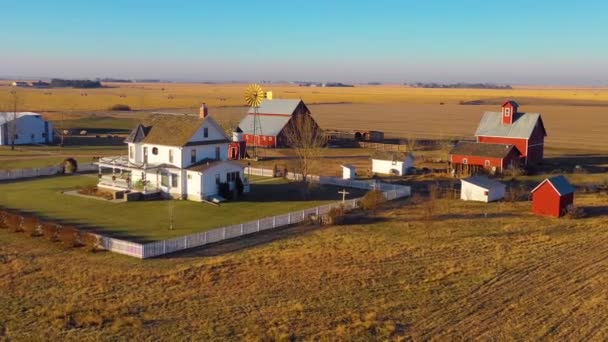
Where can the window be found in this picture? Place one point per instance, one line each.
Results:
(44, 135)
(205, 132)
(217, 153)
(174, 179)
(131, 154)
(164, 179)
(465, 161)
(485, 193)
(394, 162)
(269, 138)
(264, 138)
(154, 150)
(170, 156)
(217, 179)
(487, 163)
(232, 176)
(507, 111)
(189, 176)
(193, 156)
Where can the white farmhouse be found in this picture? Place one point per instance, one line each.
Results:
(392, 163)
(25, 127)
(183, 157)
(482, 189)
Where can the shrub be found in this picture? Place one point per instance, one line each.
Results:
(68, 237)
(120, 107)
(91, 241)
(575, 213)
(50, 231)
(69, 165)
(31, 225)
(336, 215)
(372, 200)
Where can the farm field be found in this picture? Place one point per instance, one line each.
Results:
(150, 220)
(475, 271)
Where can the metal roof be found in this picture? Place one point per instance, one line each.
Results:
(270, 125)
(8, 116)
(277, 106)
(482, 149)
(559, 183)
(483, 182)
(491, 125)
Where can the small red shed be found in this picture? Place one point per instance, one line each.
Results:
(553, 197)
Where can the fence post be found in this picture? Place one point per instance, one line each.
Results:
(289, 218)
(164, 247)
(258, 225)
(274, 222)
(223, 233)
(241, 229)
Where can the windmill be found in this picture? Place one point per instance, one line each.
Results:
(253, 97)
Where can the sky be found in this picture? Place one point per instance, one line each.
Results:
(506, 42)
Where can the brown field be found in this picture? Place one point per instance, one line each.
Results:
(507, 276)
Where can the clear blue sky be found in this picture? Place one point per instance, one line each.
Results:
(531, 41)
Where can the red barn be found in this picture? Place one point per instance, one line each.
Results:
(491, 157)
(273, 115)
(524, 130)
(553, 197)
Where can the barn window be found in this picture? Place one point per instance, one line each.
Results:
(205, 132)
(154, 150)
(487, 163)
(269, 138)
(465, 161)
(264, 138)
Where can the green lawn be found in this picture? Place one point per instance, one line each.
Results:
(146, 221)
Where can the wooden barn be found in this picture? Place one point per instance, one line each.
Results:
(471, 157)
(524, 130)
(481, 189)
(553, 197)
(274, 116)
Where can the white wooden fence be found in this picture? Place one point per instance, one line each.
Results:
(181, 243)
(43, 171)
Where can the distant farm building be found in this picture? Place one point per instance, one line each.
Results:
(553, 197)
(20, 84)
(471, 157)
(524, 130)
(392, 163)
(354, 135)
(25, 128)
(348, 171)
(482, 189)
(274, 116)
(238, 147)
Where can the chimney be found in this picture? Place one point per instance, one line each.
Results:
(204, 111)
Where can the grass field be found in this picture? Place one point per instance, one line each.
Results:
(149, 220)
(477, 271)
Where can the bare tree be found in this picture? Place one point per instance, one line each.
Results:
(10, 117)
(307, 140)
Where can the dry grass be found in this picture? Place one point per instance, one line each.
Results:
(475, 272)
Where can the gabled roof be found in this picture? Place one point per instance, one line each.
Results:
(391, 155)
(277, 106)
(483, 182)
(491, 125)
(138, 134)
(483, 149)
(512, 103)
(8, 116)
(270, 125)
(559, 183)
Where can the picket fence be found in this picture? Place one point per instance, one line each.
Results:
(162, 247)
(40, 172)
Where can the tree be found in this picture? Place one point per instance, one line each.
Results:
(10, 117)
(307, 140)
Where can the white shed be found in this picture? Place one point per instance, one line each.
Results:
(392, 163)
(348, 171)
(482, 189)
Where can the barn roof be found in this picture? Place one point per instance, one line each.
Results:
(168, 130)
(277, 106)
(8, 116)
(270, 125)
(559, 183)
(483, 182)
(512, 103)
(491, 125)
(390, 155)
(482, 149)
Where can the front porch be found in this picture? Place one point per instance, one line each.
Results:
(126, 175)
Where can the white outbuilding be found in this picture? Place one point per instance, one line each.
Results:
(25, 128)
(482, 189)
(348, 171)
(392, 163)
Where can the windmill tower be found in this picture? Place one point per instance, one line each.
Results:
(253, 97)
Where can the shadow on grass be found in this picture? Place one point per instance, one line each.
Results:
(296, 191)
(591, 163)
(595, 211)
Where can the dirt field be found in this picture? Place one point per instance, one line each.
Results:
(476, 271)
